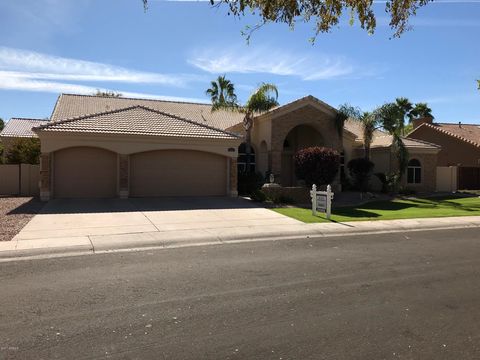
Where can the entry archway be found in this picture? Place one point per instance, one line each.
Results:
(300, 137)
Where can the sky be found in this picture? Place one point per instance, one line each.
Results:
(175, 48)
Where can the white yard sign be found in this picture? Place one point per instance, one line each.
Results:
(322, 200)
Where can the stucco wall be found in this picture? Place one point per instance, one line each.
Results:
(429, 172)
(453, 152)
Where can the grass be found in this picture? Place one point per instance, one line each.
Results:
(390, 210)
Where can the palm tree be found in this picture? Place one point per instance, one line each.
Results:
(392, 117)
(264, 98)
(369, 125)
(368, 120)
(222, 94)
(421, 110)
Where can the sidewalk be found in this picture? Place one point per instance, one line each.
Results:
(91, 244)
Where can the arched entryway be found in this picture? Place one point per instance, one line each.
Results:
(300, 137)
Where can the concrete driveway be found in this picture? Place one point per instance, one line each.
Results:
(102, 223)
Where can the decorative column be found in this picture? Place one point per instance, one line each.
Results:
(233, 177)
(45, 174)
(123, 175)
(276, 163)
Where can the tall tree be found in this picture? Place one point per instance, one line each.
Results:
(369, 125)
(264, 98)
(325, 13)
(421, 110)
(368, 121)
(2, 124)
(222, 94)
(392, 118)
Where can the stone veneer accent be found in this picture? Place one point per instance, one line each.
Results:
(233, 177)
(45, 174)
(123, 175)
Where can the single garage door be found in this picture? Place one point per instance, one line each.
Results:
(85, 172)
(177, 173)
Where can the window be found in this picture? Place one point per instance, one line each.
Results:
(243, 157)
(414, 172)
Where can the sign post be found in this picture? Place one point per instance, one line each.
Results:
(322, 200)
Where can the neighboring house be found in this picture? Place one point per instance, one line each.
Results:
(121, 147)
(420, 174)
(17, 128)
(460, 151)
(460, 143)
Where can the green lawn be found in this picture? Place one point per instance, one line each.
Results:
(390, 210)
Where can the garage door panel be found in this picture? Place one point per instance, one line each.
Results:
(84, 172)
(177, 173)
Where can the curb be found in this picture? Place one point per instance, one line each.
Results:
(149, 243)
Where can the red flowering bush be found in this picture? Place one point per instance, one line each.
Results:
(317, 165)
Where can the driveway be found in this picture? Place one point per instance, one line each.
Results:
(107, 221)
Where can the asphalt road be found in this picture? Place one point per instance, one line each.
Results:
(393, 296)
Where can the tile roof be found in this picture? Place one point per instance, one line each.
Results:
(20, 127)
(469, 133)
(70, 106)
(355, 127)
(137, 120)
(386, 141)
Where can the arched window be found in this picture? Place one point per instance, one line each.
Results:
(414, 172)
(243, 159)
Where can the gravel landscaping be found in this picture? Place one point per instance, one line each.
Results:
(15, 213)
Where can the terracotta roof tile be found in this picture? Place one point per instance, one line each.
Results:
(70, 106)
(469, 133)
(20, 127)
(137, 120)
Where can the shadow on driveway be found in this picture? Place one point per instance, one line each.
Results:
(77, 206)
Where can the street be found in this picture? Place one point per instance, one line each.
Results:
(413, 295)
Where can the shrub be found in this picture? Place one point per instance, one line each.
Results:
(24, 151)
(389, 182)
(248, 182)
(360, 170)
(317, 165)
(258, 196)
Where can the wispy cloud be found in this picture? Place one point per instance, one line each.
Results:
(9, 82)
(272, 61)
(32, 71)
(34, 65)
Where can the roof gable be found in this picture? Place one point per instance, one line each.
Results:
(21, 127)
(299, 103)
(468, 133)
(136, 120)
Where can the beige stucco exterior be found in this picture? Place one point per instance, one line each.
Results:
(158, 165)
(303, 124)
(61, 158)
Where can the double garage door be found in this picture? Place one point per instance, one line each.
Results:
(84, 172)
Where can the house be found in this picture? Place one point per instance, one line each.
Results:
(18, 128)
(460, 148)
(121, 147)
(460, 143)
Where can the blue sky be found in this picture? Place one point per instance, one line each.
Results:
(174, 49)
